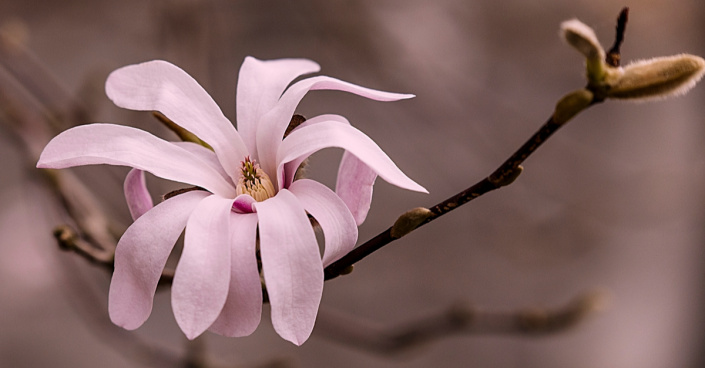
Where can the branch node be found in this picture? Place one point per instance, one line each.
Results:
(69, 240)
(65, 237)
(508, 177)
(540, 320)
(347, 270)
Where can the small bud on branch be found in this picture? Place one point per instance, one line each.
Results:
(409, 221)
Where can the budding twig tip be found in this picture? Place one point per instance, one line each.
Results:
(657, 78)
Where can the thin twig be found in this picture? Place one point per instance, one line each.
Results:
(502, 176)
(459, 319)
(613, 57)
(68, 240)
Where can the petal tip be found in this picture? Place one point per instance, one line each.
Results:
(125, 320)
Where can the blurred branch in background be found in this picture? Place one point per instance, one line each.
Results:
(461, 319)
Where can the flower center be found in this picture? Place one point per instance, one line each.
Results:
(254, 181)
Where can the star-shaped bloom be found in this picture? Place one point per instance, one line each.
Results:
(250, 198)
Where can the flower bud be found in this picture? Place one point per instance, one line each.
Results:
(657, 78)
(409, 221)
(571, 104)
(583, 39)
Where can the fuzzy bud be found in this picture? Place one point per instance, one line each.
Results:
(583, 39)
(571, 104)
(657, 78)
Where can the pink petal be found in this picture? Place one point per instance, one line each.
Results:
(138, 199)
(292, 266)
(355, 179)
(354, 186)
(243, 203)
(120, 145)
(310, 139)
(141, 255)
(259, 87)
(207, 156)
(338, 224)
(243, 307)
(202, 275)
(273, 125)
(291, 167)
(160, 86)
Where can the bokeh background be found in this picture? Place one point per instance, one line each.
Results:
(614, 201)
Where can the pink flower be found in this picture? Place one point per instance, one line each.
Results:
(249, 185)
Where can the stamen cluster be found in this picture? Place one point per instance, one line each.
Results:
(254, 181)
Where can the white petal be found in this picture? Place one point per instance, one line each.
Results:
(338, 224)
(141, 255)
(259, 86)
(273, 125)
(243, 307)
(136, 194)
(310, 139)
(202, 275)
(291, 264)
(160, 86)
(120, 145)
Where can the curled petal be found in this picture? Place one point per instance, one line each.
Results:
(291, 167)
(141, 255)
(243, 307)
(161, 86)
(120, 145)
(274, 123)
(354, 186)
(355, 179)
(138, 199)
(310, 139)
(338, 224)
(291, 264)
(259, 86)
(202, 275)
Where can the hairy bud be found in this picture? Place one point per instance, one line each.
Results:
(583, 39)
(657, 78)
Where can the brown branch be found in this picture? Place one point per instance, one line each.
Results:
(504, 175)
(458, 320)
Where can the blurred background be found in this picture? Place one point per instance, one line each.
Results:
(613, 201)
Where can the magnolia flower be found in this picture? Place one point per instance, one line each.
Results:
(250, 196)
